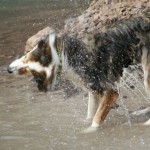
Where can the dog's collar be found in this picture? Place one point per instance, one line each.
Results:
(59, 47)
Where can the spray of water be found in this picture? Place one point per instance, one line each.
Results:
(132, 84)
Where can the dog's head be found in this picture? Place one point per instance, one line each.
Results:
(42, 61)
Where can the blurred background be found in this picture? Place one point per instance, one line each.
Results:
(20, 19)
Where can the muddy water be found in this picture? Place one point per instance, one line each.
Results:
(30, 120)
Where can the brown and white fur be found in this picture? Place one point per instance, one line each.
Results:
(97, 71)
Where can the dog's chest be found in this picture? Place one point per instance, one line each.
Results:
(70, 74)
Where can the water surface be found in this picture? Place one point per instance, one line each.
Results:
(31, 120)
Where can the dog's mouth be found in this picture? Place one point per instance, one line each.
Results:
(20, 71)
(39, 78)
(24, 70)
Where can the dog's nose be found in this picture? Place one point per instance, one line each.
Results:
(9, 70)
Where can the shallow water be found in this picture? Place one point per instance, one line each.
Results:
(31, 120)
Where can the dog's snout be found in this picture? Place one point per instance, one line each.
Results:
(9, 70)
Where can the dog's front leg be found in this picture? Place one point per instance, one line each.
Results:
(93, 102)
(108, 100)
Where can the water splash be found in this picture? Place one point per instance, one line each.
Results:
(132, 84)
(133, 81)
(125, 107)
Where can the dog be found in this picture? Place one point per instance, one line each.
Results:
(97, 70)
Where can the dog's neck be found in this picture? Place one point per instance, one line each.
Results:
(59, 46)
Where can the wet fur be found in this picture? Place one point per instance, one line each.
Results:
(114, 50)
(124, 43)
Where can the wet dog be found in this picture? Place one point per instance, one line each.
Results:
(97, 70)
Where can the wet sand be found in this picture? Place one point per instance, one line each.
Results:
(31, 120)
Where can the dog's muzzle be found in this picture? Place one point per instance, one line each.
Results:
(10, 70)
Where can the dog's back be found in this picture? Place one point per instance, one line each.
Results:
(118, 47)
(122, 45)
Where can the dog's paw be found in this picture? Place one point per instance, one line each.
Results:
(142, 112)
(147, 122)
(94, 127)
(89, 118)
(90, 130)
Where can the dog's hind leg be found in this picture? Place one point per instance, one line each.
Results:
(147, 122)
(146, 69)
(93, 102)
(108, 100)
